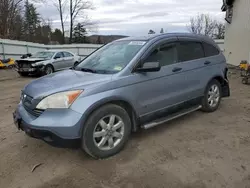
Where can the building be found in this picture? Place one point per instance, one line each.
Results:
(237, 36)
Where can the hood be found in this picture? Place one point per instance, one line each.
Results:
(62, 81)
(30, 60)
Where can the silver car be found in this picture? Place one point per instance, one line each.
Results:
(46, 62)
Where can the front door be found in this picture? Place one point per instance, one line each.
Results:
(155, 92)
(59, 62)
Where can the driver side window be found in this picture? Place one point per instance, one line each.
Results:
(165, 54)
(59, 55)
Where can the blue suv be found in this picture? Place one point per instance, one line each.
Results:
(126, 85)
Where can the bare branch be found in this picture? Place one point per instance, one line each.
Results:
(202, 24)
(77, 7)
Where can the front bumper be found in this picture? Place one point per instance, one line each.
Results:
(61, 128)
(31, 70)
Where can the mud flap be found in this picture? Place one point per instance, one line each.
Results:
(225, 89)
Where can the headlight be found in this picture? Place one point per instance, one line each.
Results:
(59, 100)
(36, 64)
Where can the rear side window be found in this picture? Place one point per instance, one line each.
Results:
(188, 51)
(67, 54)
(210, 50)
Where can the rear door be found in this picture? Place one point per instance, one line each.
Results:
(191, 59)
(69, 59)
(58, 62)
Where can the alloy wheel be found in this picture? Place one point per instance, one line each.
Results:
(108, 132)
(213, 95)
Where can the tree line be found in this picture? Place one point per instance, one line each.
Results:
(203, 24)
(20, 20)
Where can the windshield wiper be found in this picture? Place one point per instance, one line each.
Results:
(88, 70)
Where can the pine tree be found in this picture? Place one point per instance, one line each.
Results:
(79, 34)
(31, 20)
(57, 36)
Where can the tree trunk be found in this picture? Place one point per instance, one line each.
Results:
(71, 22)
(62, 22)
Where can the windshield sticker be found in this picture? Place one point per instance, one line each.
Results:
(118, 68)
(139, 43)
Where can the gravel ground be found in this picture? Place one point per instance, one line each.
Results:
(198, 150)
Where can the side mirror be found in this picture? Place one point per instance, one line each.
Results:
(149, 67)
(56, 57)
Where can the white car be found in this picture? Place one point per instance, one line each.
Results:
(46, 62)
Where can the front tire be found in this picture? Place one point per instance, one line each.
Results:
(106, 131)
(212, 96)
(49, 69)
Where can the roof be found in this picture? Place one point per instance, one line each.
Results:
(150, 37)
(58, 50)
(53, 50)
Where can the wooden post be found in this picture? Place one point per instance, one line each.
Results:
(3, 50)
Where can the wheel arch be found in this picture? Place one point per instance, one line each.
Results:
(50, 64)
(117, 101)
(219, 78)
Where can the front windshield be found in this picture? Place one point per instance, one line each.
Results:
(111, 58)
(44, 55)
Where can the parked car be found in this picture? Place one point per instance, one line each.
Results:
(126, 85)
(46, 62)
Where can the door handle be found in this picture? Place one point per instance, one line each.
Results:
(207, 62)
(176, 69)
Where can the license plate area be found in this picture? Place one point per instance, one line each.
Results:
(25, 69)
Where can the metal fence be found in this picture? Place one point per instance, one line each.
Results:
(14, 49)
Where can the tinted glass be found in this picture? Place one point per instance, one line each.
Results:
(210, 50)
(188, 51)
(67, 54)
(165, 55)
(59, 55)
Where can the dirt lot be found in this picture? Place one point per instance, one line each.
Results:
(198, 150)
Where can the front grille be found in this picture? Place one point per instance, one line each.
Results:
(24, 65)
(27, 104)
(34, 112)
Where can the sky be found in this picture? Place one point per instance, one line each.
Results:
(137, 17)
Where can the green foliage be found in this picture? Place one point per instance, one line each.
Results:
(57, 35)
(79, 34)
(31, 21)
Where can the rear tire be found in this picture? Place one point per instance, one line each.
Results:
(106, 131)
(212, 96)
